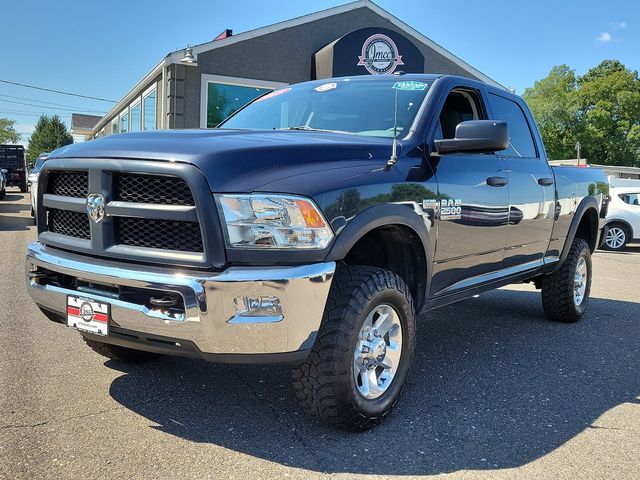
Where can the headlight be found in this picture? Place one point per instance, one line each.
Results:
(274, 221)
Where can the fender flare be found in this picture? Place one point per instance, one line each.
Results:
(586, 204)
(380, 216)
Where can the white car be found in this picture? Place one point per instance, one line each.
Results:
(32, 180)
(3, 182)
(623, 216)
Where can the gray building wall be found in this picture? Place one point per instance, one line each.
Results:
(287, 55)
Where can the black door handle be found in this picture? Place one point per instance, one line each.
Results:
(545, 181)
(497, 181)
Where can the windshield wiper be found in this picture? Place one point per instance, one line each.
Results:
(311, 129)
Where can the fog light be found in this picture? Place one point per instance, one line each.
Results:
(257, 310)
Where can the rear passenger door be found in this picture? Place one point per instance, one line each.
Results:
(531, 186)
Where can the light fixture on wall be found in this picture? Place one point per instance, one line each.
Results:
(189, 58)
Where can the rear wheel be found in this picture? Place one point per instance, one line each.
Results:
(565, 293)
(617, 237)
(120, 354)
(356, 371)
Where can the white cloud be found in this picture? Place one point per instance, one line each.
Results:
(604, 37)
(619, 24)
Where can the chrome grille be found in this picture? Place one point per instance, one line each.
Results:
(68, 184)
(72, 224)
(164, 234)
(155, 189)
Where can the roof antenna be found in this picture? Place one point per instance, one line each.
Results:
(394, 147)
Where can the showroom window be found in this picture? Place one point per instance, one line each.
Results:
(136, 116)
(222, 96)
(124, 121)
(149, 110)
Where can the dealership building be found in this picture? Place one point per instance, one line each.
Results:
(199, 86)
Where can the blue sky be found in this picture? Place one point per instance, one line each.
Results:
(103, 48)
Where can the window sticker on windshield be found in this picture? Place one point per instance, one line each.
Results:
(326, 86)
(275, 93)
(409, 85)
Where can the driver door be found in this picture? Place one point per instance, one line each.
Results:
(473, 207)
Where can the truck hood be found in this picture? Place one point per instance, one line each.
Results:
(240, 160)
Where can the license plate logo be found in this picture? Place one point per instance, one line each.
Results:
(88, 315)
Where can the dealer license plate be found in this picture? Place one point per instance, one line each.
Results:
(88, 315)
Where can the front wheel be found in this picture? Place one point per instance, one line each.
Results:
(565, 293)
(617, 237)
(357, 369)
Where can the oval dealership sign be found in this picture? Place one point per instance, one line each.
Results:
(367, 51)
(380, 55)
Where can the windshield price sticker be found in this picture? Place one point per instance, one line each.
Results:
(326, 86)
(409, 85)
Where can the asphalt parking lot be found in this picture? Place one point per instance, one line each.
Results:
(496, 392)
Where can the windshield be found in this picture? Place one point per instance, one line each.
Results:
(39, 163)
(357, 106)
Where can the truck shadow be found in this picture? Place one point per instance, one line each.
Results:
(494, 385)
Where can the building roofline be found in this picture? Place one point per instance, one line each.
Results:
(137, 89)
(619, 168)
(178, 55)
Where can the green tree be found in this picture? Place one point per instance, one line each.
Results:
(50, 133)
(8, 133)
(553, 104)
(608, 99)
(600, 109)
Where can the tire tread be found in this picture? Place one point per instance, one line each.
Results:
(316, 382)
(557, 288)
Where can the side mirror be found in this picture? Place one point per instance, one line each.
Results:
(478, 136)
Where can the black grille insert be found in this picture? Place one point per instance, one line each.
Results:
(68, 184)
(156, 189)
(72, 224)
(164, 234)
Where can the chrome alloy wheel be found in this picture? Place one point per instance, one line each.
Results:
(615, 238)
(376, 357)
(580, 281)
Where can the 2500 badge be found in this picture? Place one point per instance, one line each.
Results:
(450, 209)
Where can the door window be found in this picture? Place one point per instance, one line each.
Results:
(520, 140)
(630, 198)
(459, 106)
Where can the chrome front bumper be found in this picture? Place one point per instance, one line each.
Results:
(210, 320)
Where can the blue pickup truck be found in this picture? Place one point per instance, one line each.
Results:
(312, 227)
